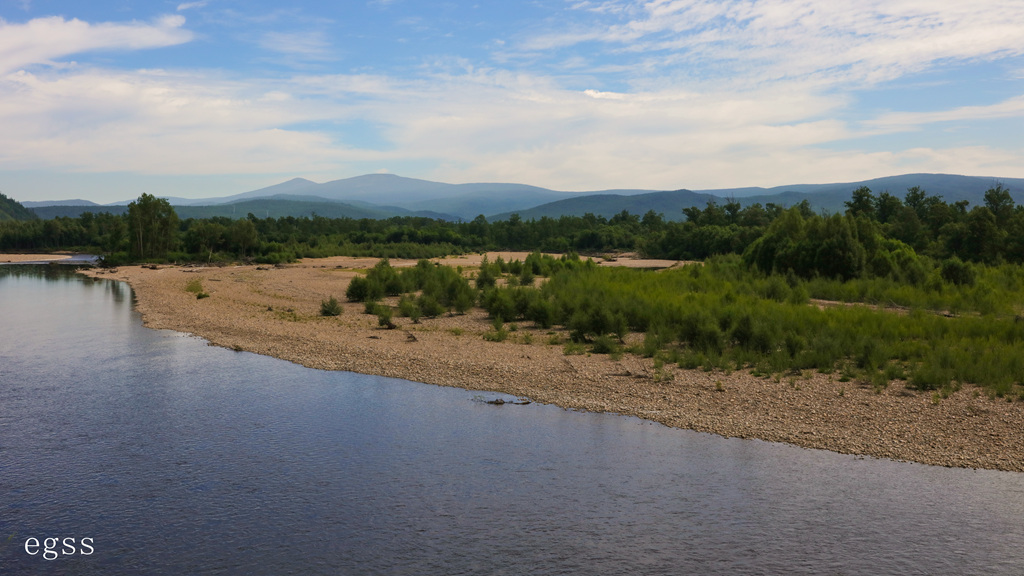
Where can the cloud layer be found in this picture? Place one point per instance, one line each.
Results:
(43, 40)
(660, 94)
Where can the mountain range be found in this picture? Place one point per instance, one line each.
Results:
(387, 195)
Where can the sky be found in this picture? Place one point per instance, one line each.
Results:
(107, 99)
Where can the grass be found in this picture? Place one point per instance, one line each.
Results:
(195, 286)
(574, 349)
(496, 335)
(722, 316)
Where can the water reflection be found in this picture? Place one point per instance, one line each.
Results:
(181, 458)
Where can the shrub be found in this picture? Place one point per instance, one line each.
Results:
(496, 335)
(573, 348)
(957, 272)
(485, 278)
(330, 307)
(408, 307)
(604, 345)
(498, 302)
(429, 305)
(358, 289)
(384, 317)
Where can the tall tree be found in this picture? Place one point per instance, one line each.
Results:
(999, 201)
(862, 201)
(153, 227)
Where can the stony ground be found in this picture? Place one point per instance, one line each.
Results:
(10, 258)
(275, 311)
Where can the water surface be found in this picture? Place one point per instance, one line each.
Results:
(180, 458)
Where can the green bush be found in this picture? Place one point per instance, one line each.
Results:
(957, 272)
(384, 317)
(496, 335)
(358, 289)
(429, 305)
(605, 345)
(408, 308)
(330, 307)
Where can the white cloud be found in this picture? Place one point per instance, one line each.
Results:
(480, 126)
(1009, 108)
(190, 5)
(768, 40)
(42, 40)
(774, 123)
(152, 122)
(306, 45)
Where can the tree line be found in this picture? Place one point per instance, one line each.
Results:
(877, 235)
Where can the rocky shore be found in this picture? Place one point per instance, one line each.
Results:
(275, 311)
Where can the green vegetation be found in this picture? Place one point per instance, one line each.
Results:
(881, 235)
(940, 285)
(195, 286)
(11, 210)
(330, 307)
(727, 315)
(152, 225)
(441, 288)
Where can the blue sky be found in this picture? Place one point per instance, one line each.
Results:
(105, 100)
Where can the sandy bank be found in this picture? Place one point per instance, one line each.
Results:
(13, 258)
(275, 311)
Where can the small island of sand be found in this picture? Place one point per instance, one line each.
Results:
(275, 311)
(21, 258)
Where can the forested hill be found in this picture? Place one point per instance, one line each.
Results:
(11, 209)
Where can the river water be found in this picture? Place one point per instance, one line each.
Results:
(174, 457)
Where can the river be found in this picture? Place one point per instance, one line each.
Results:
(150, 452)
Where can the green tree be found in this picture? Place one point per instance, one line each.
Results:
(862, 201)
(244, 237)
(999, 201)
(204, 237)
(984, 240)
(153, 227)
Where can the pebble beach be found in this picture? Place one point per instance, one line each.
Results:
(274, 311)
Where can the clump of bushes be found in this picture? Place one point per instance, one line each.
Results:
(330, 307)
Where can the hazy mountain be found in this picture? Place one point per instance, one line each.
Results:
(75, 202)
(472, 204)
(461, 200)
(281, 206)
(386, 195)
(396, 194)
(951, 187)
(670, 204)
(75, 210)
(295, 186)
(822, 197)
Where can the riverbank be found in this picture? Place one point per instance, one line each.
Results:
(19, 258)
(275, 311)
